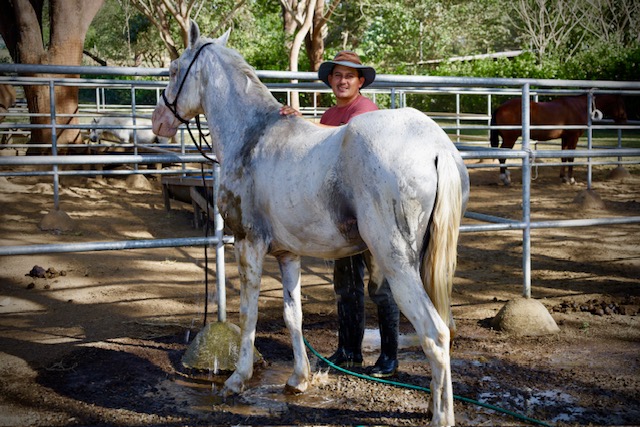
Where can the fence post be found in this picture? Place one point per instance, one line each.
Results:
(526, 193)
(219, 230)
(54, 145)
(590, 109)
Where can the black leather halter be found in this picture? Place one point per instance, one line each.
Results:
(172, 106)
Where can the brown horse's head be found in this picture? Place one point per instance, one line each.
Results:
(612, 106)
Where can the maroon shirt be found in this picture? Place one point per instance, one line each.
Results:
(337, 116)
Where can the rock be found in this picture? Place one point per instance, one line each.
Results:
(589, 199)
(57, 220)
(139, 182)
(215, 349)
(37, 271)
(526, 317)
(618, 174)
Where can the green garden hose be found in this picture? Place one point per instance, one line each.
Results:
(426, 389)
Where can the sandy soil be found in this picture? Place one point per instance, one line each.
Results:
(98, 339)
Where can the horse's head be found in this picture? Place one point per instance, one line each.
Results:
(612, 106)
(181, 99)
(93, 133)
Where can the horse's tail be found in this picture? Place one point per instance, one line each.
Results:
(439, 260)
(493, 133)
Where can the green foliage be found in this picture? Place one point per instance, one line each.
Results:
(259, 36)
(522, 66)
(604, 62)
(402, 34)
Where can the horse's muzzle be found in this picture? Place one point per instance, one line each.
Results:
(163, 122)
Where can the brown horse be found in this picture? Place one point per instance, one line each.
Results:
(563, 111)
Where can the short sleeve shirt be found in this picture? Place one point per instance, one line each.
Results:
(337, 116)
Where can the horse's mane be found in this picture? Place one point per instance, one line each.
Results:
(234, 59)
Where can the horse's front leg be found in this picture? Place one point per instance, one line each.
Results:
(290, 270)
(250, 258)
(568, 143)
(508, 141)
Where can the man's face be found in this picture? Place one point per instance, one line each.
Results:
(345, 82)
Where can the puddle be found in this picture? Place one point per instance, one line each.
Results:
(534, 401)
(264, 394)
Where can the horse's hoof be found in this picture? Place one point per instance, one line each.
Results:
(232, 386)
(293, 390)
(226, 393)
(296, 384)
(506, 179)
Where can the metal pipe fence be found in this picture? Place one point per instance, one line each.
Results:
(393, 90)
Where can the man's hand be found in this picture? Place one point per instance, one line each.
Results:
(287, 110)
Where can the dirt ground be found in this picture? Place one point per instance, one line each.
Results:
(98, 339)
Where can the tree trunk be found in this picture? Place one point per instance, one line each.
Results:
(69, 21)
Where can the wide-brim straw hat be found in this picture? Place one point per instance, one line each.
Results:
(346, 58)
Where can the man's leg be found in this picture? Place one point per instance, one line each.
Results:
(388, 322)
(348, 282)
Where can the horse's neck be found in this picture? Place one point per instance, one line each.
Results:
(238, 112)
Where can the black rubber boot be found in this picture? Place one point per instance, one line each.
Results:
(348, 279)
(343, 359)
(388, 322)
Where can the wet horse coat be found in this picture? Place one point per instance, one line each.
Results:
(390, 181)
(562, 111)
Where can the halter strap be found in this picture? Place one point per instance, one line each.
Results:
(172, 105)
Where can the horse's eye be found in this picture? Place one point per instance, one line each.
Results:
(173, 69)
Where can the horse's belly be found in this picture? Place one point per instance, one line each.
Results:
(546, 135)
(320, 240)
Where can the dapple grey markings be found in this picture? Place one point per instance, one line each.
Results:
(289, 188)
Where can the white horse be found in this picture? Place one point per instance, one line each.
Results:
(390, 181)
(111, 128)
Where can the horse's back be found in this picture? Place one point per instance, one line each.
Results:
(399, 131)
(560, 111)
(393, 155)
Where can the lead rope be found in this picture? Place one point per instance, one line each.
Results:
(172, 106)
(202, 138)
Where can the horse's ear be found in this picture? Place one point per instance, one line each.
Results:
(223, 39)
(194, 33)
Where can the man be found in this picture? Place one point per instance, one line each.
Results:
(346, 75)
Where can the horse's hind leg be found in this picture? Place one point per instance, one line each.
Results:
(290, 270)
(434, 337)
(250, 257)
